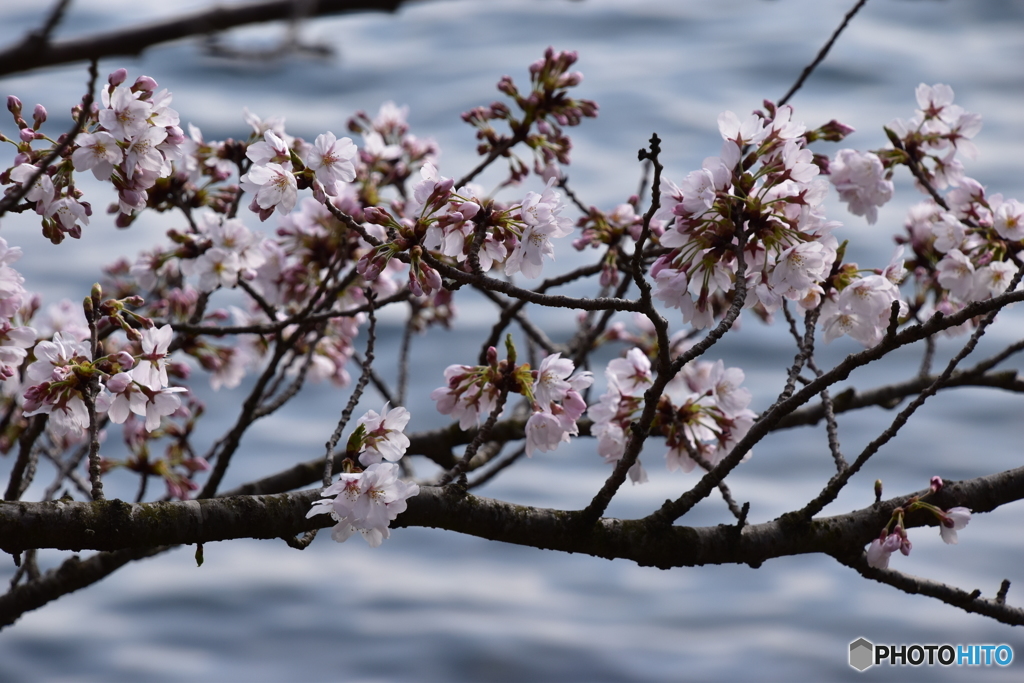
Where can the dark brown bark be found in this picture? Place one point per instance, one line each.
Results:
(115, 525)
(36, 52)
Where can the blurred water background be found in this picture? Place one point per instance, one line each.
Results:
(435, 606)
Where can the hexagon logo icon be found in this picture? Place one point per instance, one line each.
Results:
(862, 652)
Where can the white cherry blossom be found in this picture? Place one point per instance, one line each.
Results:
(860, 179)
(331, 160)
(384, 439)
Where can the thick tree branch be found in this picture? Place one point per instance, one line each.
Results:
(115, 525)
(32, 53)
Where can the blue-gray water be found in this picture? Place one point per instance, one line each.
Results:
(434, 606)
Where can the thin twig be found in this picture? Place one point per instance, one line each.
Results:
(357, 392)
(481, 436)
(822, 53)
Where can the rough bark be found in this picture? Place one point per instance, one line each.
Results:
(116, 525)
(36, 52)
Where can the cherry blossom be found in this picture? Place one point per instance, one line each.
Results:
(158, 404)
(331, 160)
(125, 115)
(956, 273)
(540, 213)
(384, 438)
(1009, 220)
(14, 342)
(952, 521)
(142, 153)
(57, 390)
(42, 189)
(544, 431)
(861, 182)
(97, 152)
(630, 375)
(365, 502)
(151, 370)
(274, 187)
(271, 148)
(881, 549)
(469, 395)
(216, 267)
(122, 398)
(551, 383)
(69, 212)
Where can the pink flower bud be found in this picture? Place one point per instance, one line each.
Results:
(179, 369)
(319, 193)
(444, 186)
(936, 484)
(27, 135)
(588, 108)
(125, 360)
(414, 284)
(609, 275)
(834, 131)
(376, 216)
(431, 278)
(506, 86)
(39, 115)
(144, 83)
(368, 267)
(469, 209)
(14, 105)
(116, 78)
(119, 382)
(570, 80)
(662, 262)
(196, 464)
(175, 135)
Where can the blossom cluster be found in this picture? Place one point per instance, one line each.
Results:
(471, 230)
(130, 141)
(702, 414)
(609, 229)
(888, 542)
(128, 382)
(963, 244)
(553, 391)
(368, 500)
(770, 197)
(15, 338)
(543, 112)
(557, 403)
(380, 436)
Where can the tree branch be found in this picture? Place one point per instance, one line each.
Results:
(968, 602)
(32, 53)
(116, 525)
